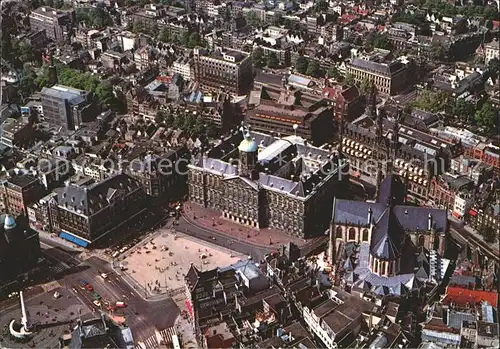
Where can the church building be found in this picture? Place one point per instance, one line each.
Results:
(387, 243)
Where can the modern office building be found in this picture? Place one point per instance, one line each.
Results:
(57, 24)
(284, 184)
(85, 213)
(65, 108)
(229, 71)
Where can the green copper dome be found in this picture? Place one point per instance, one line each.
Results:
(248, 145)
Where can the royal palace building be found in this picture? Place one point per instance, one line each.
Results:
(261, 181)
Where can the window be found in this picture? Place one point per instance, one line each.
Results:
(421, 241)
(338, 232)
(352, 234)
(365, 235)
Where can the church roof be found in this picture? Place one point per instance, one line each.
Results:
(387, 237)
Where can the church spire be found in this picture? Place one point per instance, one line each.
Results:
(331, 254)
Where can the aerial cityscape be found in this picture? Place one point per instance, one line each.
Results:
(250, 174)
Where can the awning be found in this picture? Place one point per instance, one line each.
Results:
(73, 239)
(472, 213)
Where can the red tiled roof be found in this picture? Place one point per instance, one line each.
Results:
(462, 296)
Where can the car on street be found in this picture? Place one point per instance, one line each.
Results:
(120, 304)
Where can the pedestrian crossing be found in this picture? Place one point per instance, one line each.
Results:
(58, 267)
(161, 339)
(149, 343)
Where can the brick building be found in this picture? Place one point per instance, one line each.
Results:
(18, 192)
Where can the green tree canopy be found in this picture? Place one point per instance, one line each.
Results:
(301, 64)
(272, 60)
(487, 117)
(314, 69)
(258, 57)
(494, 68)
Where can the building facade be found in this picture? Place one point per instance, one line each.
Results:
(279, 183)
(65, 108)
(230, 71)
(377, 147)
(161, 175)
(85, 213)
(389, 78)
(20, 191)
(57, 24)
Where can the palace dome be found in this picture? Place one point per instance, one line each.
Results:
(248, 145)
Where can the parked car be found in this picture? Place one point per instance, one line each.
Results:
(89, 287)
(97, 303)
(96, 296)
(120, 305)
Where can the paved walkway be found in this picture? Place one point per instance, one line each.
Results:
(212, 220)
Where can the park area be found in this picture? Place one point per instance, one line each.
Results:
(160, 265)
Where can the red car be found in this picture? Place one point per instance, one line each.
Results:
(89, 287)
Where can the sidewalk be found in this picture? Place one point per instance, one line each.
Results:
(58, 240)
(211, 220)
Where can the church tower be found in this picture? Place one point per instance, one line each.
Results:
(248, 150)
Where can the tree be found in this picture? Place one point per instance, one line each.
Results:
(369, 42)
(179, 120)
(252, 19)
(169, 120)
(349, 80)
(272, 60)
(210, 129)
(184, 39)
(488, 233)
(6, 47)
(382, 41)
(320, 6)
(106, 95)
(301, 64)
(313, 69)
(164, 35)
(433, 102)
(194, 40)
(333, 72)
(494, 68)
(365, 86)
(199, 126)
(463, 109)
(189, 123)
(224, 13)
(160, 116)
(437, 51)
(487, 117)
(258, 57)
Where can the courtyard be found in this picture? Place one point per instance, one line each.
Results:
(160, 264)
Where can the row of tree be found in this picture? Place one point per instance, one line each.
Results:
(94, 17)
(483, 115)
(261, 60)
(188, 122)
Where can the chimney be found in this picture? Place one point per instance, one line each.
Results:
(429, 222)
